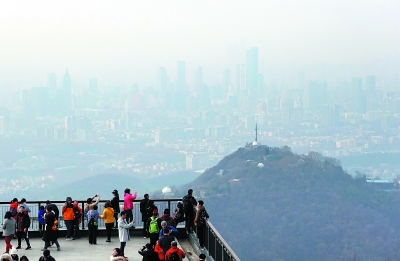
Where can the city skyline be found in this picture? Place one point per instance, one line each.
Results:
(128, 41)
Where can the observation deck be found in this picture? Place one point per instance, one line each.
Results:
(215, 246)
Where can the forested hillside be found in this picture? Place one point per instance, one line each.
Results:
(298, 207)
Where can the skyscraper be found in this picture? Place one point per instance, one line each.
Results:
(66, 99)
(252, 71)
(181, 77)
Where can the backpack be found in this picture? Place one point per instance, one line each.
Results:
(203, 217)
(174, 256)
(153, 225)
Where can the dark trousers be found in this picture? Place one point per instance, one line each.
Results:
(70, 227)
(144, 229)
(129, 216)
(77, 234)
(47, 244)
(200, 235)
(189, 219)
(153, 239)
(21, 234)
(109, 226)
(116, 218)
(92, 234)
(122, 248)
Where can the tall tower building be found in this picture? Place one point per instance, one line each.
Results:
(198, 80)
(252, 71)
(66, 98)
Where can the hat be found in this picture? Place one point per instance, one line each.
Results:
(115, 191)
(163, 223)
(174, 243)
(13, 251)
(149, 246)
(166, 211)
(6, 257)
(155, 212)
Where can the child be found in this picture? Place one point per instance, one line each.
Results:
(41, 218)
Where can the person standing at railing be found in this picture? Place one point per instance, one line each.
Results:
(21, 228)
(77, 219)
(128, 204)
(40, 215)
(23, 203)
(143, 210)
(108, 216)
(189, 202)
(115, 206)
(90, 204)
(53, 208)
(8, 230)
(14, 208)
(179, 214)
(93, 221)
(50, 233)
(68, 215)
(200, 222)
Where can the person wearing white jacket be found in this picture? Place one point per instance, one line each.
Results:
(123, 231)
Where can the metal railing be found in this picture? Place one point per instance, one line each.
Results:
(34, 206)
(216, 246)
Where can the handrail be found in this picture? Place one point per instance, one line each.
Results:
(225, 245)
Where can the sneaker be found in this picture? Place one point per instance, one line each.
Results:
(18, 247)
(201, 248)
(43, 249)
(68, 239)
(58, 248)
(108, 240)
(28, 247)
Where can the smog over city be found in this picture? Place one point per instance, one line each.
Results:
(149, 94)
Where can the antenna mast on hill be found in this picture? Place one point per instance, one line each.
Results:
(256, 131)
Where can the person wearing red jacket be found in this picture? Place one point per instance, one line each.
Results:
(174, 248)
(128, 204)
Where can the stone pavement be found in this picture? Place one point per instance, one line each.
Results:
(80, 249)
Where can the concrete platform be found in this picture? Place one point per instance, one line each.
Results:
(80, 249)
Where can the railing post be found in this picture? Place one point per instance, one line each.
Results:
(83, 216)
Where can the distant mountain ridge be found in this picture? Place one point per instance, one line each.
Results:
(272, 204)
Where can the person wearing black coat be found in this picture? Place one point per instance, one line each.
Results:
(22, 225)
(148, 253)
(143, 210)
(54, 208)
(50, 229)
(115, 206)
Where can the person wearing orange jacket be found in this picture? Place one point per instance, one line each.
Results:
(158, 249)
(108, 216)
(69, 216)
(174, 249)
(14, 208)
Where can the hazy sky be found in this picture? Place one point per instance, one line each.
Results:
(126, 41)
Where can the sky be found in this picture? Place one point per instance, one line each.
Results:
(125, 42)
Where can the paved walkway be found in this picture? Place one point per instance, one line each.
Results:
(81, 250)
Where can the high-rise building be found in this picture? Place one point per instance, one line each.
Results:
(357, 97)
(240, 77)
(316, 96)
(370, 84)
(252, 71)
(66, 94)
(181, 77)
(198, 80)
